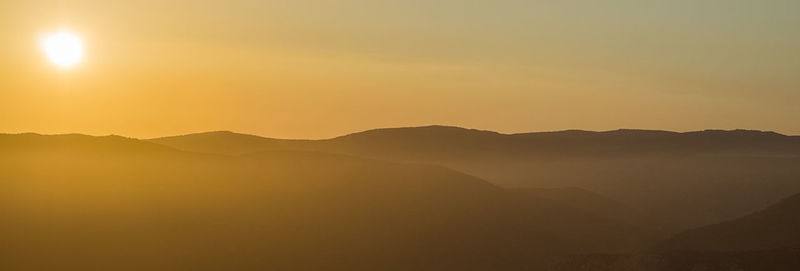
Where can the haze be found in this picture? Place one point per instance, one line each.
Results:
(399, 135)
(318, 69)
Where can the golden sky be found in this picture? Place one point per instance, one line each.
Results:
(315, 69)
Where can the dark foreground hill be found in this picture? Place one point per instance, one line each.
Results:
(684, 180)
(769, 260)
(776, 227)
(765, 240)
(76, 202)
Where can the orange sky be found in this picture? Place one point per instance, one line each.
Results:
(315, 69)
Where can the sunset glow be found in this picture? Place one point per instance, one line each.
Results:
(63, 49)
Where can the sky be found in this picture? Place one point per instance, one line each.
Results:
(319, 69)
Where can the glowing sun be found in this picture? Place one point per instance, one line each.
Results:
(63, 49)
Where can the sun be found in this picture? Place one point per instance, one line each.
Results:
(63, 49)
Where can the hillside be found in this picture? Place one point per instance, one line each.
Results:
(112, 203)
(594, 203)
(767, 260)
(765, 240)
(225, 142)
(444, 142)
(683, 180)
(773, 228)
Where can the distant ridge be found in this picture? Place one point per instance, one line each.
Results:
(422, 130)
(462, 130)
(225, 142)
(34, 141)
(685, 179)
(437, 140)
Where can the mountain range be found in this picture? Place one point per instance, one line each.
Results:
(683, 180)
(420, 198)
(117, 203)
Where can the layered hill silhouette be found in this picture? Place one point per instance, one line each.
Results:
(78, 202)
(765, 240)
(424, 198)
(774, 228)
(683, 180)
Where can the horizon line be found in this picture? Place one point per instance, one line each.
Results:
(399, 127)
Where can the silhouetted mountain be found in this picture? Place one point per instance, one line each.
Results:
(770, 260)
(765, 240)
(443, 141)
(110, 203)
(226, 142)
(684, 180)
(30, 142)
(429, 143)
(776, 227)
